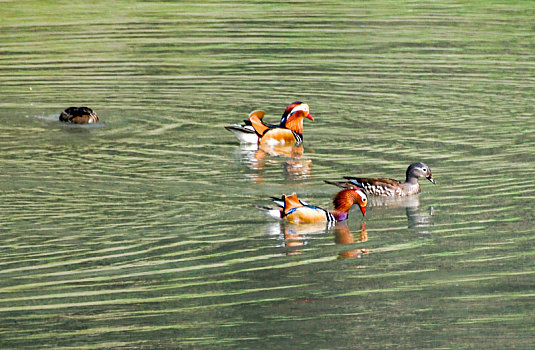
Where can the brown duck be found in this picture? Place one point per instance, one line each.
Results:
(78, 115)
(389, 187)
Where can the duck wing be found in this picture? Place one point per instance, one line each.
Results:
(288, 203)
(342, 184)
(376, 185)
(255, 118)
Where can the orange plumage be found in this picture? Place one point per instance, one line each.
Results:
(288, 132)
(298, 212)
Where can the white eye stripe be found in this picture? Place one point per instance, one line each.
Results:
(362, 195)
(302, 107)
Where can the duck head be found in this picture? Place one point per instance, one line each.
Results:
(293, 116)
(345, 199)
(417, 170)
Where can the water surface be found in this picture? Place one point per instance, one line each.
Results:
(140, 232)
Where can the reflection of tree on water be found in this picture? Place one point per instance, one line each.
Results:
(259, 157)
(415, 217)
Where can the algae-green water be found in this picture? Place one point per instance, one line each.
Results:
(140, 231)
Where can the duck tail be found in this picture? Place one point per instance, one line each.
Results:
(278, 201)
(272, 212)
(244, 133)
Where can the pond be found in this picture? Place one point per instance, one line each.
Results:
(141, 231)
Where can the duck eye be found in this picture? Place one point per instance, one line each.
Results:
(424, 170)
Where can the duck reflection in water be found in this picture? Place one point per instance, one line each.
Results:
(259, 157)
(295, 237)
(416, 218)
(342, 235)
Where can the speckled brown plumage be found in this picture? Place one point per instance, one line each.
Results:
(389, 187)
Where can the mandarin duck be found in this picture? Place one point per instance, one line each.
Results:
(78, 115)
(389, 187)
(298, 212)
(289, 131)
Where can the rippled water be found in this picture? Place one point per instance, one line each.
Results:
(140, 231)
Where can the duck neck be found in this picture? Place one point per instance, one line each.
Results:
(339, 215)
(410, 178)
(295, 124)
(342, 202)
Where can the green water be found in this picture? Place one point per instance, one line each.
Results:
(140, 232)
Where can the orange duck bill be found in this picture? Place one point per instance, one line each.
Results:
(363, 209)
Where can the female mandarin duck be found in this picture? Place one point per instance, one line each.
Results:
(289, 131)
(389, 187)
(78, 115)
(299, 212)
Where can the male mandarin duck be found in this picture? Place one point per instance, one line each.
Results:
(78, 115)
(289, 131)
(389, 187)
(298, 212)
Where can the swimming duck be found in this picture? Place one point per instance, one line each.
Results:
(389, 187)
(298, 212)
(78, 115)
(289, 131)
